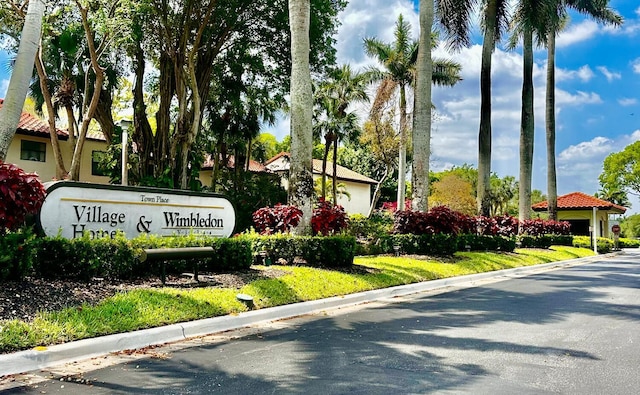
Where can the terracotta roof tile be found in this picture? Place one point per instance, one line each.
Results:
(580, 201)
(33, 126)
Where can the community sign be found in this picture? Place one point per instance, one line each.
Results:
(72, 209)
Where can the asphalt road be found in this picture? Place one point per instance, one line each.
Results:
(571, 331)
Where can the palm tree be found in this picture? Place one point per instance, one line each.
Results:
(399, 61)
(300, 172)
(422, 111)
(334, 96)
(530, 19)
(598, 10)
(21, 75)
(455, 17)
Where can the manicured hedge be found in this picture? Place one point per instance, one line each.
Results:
(603, 245)
(486, 243)
(434, 244)
(624, 242)
(328, 251)
(15, 255)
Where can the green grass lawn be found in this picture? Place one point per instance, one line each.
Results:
(146, 308)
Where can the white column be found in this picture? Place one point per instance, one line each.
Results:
(125, 138)
(595, 230)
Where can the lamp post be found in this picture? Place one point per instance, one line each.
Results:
(125, 124)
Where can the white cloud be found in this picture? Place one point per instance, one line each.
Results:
(580, 32)
(579, 98)
(627, 101)
(610, 75)
(370, 18)
(586, 150)
(635, 64)
(584, 73)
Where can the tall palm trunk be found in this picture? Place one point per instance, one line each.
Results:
(21, 75)
(300, 171)
(402, 155)
(484, 134)
(552, 187)
(422, 110)
(526, 129)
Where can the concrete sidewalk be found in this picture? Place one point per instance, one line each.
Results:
(43, 357)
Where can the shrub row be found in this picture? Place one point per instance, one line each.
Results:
(23, 254)
(434, 244)
(624, 242)
(331, 251)
(544, 241)
(603, 245)
(441, 219)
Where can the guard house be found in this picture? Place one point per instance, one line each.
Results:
(583, 211)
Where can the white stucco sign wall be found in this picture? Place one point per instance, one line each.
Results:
(72, 208)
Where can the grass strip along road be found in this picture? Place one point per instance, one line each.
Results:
(147, 308)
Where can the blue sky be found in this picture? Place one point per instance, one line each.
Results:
(597, 94)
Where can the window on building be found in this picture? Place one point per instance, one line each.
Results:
(96, 158)
(33, 150)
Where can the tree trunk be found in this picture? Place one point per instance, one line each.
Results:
(378, 191)
(142, 134)
(484, 134)
(402, 152)
(21, 76)
(526, 130)
(301, 170)
(552, 187)
(61, 171)
(163, 116)
(422, 111)
(76, 162)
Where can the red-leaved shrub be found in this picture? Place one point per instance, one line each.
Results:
(278, 219)
(328, 219)
(21, 194)
(539, 227)
(506, 225)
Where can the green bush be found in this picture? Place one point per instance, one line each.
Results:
(603, 245)
(527, 241)
(84, 258)
(16, 254)
(628, 243)
(317, 251)
(377, 225)
(439, 244)
(231, 254)
(485, 243)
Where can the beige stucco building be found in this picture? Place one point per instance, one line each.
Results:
(31, 150)
(357, 185)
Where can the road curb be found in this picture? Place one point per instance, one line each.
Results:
(28, 360)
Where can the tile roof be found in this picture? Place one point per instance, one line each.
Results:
(254, 166)
(581, 201)
(343, 173)
(33, 126)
